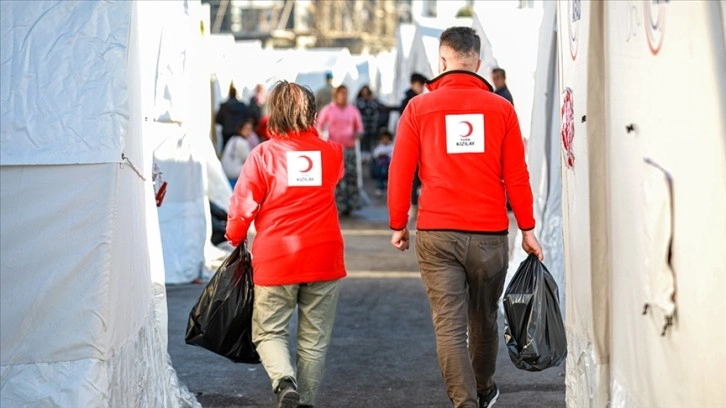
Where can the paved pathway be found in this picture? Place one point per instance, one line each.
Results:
(382, 353)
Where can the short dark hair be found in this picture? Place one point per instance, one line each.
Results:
(500, 71)
(292, 108)
(463, 40)
(339, 89)
(416, 77)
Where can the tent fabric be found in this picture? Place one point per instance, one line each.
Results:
(39, 124)
(81, 260)
(514, 48)
(183, 151)
(182, 215)
(643, 210)
(686, 140)
(587, 377)
(424, 54)
(404, 42)
(543, 152)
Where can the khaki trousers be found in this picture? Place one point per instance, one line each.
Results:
(273, 309)
(464, 277)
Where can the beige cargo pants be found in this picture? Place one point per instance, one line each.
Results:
(273, 309)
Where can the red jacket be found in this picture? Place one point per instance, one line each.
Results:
(468, 146)
(287, 186)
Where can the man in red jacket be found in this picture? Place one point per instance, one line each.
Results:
(469, 149)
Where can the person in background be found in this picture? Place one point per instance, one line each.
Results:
(287, 188)
(417, 87)
(258, 104)
(369, 107)
(468, 147)
(324, 95)
(236, 151)
(381, 160)
(344, 125)
(231, 113)
(499, 79)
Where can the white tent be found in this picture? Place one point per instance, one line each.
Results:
(512, 47)
(308, 68)
(543, 154)
(83, 309)
(179, 123)
(644, 164)
(247, 65)
(423, 56)
(404, 43)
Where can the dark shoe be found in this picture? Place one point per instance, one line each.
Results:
(287, 396)
(486, 401)
(304, 406)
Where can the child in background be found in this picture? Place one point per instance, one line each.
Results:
(236, 151)
(381, 160)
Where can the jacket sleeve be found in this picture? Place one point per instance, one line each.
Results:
(219, 118)
(516, 175)
(406, 151)
(249, 192)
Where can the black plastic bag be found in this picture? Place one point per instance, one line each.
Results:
(533, 327)
(221, 321)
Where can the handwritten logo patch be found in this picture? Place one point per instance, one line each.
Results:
(304, 169)
(465, 133)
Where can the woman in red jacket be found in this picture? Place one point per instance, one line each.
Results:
(287, 187)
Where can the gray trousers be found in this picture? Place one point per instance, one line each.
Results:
(273, 309)
(464, 277)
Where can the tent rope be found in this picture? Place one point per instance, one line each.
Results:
(126, 159)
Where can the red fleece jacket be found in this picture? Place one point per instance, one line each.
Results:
(287, 186)
(469, 149)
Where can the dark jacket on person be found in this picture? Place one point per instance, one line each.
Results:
(407, 98)
(504, 93)
(231, 115)
(255, 110)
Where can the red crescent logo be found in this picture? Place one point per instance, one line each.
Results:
(470, 128)
(574, 11)
(309, 163)
(654, 25)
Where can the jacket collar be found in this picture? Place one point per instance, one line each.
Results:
(458, 78)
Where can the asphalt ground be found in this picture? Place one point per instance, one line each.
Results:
(383, 349)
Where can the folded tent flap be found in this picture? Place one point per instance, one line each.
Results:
(660, 286)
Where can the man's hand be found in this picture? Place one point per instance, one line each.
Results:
(399, 240)
(531, 245)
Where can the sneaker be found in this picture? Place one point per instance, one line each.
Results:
(287, 396)
(486, 401)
